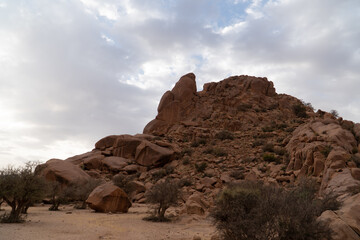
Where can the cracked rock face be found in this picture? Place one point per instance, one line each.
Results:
(108, 198)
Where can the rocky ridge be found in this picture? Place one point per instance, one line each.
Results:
(235, 129)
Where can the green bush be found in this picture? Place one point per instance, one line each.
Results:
(251, 210)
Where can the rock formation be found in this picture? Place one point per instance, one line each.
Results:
(63, 172)
(235, 129)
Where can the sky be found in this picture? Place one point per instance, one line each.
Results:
(74, 71)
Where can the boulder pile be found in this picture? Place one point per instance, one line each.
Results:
(235, 129)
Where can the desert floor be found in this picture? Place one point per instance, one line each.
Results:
(70, 223)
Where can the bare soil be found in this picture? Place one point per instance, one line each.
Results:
(70, 223)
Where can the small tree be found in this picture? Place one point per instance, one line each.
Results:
(164, 194)
(334, 113)
(82, 192)
(19, 187)
(58, 194)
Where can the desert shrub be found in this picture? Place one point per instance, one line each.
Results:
(123, 182)
(258, 142)
(267, 129)
(237, 174)
(251, 210)
(353, 190)
(218, 152)
(262, 168)
(326, 150)
(187, 151)
(185, 182)
(267, 157)
(195, 144)
(164, 195)
(82, 192)
(169, 170)
(280, 151)
(309, 105)
(355, 150)
(299, 110)
(356, 160)
(269, 147)
(200, 167)
(159, 174)
(19, 188)
(334, 113)
(242, 107)
(281, 126)
(198, 142)
(249, 160)
(290, 129)
(223, 135)
(59, 194)
(273, 106)
(208, 150)
(186, 160)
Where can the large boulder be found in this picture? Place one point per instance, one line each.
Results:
(196, 204)
(115, 164)
(93, 156)
(108, 198)
(149, 154)
(119, 145)
(345, 222)
(62, 171)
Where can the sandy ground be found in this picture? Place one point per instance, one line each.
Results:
(70, 223)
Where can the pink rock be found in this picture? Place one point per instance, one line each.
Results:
(108, 198)
(63, 172)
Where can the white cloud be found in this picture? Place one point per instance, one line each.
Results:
(72, 72)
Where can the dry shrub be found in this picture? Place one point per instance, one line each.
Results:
(164, 195)
(82, 192)
(123, 182)
(251, 210)
(299, 110)
(223, 135)
(19, 188)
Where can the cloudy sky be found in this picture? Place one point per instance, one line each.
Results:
(74, 71)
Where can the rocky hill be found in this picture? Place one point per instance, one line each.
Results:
(235, 129)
